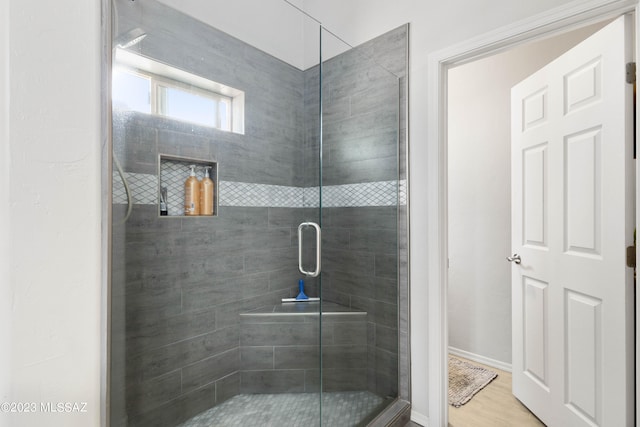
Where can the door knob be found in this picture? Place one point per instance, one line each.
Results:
(514, 258)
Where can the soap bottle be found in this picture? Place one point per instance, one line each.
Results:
(206, 193)
(192, 194)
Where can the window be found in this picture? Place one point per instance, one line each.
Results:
(141, 84)
(131, 92)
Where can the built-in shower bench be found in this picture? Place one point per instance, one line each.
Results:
(280, 353)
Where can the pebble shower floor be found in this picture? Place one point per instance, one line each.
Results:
(340, 409)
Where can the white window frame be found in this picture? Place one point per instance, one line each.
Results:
(163, 76)
(159, 106)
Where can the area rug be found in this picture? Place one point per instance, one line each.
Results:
(465, 380)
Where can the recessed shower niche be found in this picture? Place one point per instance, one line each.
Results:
(174, 171)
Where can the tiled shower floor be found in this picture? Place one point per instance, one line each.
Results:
(340, 409)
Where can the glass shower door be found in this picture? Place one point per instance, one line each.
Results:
(359, 198)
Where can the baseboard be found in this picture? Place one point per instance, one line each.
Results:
(481, 359)
(418, 418)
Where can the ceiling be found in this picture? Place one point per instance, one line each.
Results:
(274, 26)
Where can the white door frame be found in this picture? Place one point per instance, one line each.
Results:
(572, 15)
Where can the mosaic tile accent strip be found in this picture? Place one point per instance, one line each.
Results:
(311, 197)
(402, 192)
(381, 193)
(144, 188)
(340, 409)
(247, 194)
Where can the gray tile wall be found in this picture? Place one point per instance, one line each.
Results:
(270, 152)
(184, 282)
(280, 353)
(179, 284)
(365, 248)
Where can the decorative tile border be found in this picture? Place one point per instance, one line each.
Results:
(264, 195)
(381, 193)
(144, 188)
(402, 192)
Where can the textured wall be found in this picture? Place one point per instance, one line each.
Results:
(5, 191)
(50, 294)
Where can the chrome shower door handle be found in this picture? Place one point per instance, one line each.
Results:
(514, 258)
(316, 272)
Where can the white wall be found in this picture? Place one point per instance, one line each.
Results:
(434, 26)
(479, 298)
(50, 192)
(5, 289)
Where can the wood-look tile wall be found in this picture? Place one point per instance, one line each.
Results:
(179, 284)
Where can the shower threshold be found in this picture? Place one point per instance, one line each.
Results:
(339, 409)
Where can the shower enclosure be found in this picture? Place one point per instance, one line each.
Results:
(304, 138)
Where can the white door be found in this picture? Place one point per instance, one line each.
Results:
(572, 218)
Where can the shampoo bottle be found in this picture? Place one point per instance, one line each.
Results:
(206, 193)
(192, 194)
